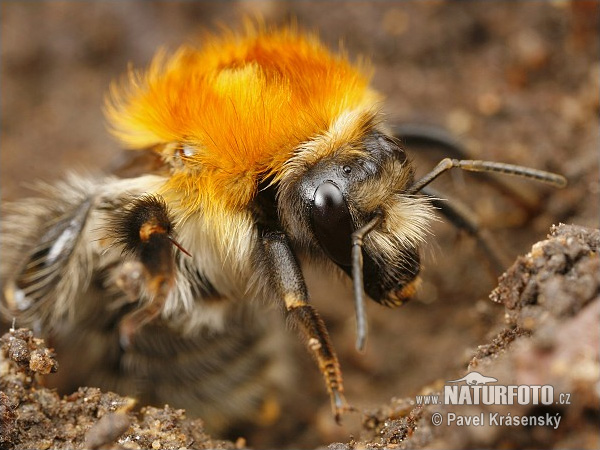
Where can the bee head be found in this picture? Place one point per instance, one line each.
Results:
(327, 200)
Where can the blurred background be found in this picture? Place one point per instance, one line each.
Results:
(516, 82)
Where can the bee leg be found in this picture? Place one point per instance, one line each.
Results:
(464, 219)
(158, 280)
(135, 320)
(145, 229)
(289, 285)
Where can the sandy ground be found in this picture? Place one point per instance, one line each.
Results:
(516, 82)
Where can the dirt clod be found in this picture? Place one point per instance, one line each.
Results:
(28, 352)
(559, 275)
(106, 430)
(32, 416)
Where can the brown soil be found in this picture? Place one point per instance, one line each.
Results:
(515, 81)
(552, 303)
(33, 416)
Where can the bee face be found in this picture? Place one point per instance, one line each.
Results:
(333, 197)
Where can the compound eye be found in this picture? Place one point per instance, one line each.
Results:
(332, 223)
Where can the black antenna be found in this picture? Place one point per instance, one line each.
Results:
(487, 166)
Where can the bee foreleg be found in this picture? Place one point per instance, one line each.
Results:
(145, 229)
(289, 285)
(135, 320)
(157, 280)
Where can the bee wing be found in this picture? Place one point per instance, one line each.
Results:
(40, 262)
(54, 245)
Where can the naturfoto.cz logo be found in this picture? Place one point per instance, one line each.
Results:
(478, 390)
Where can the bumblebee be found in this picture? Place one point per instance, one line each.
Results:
(268, 149)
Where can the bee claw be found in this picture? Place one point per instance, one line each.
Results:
(340, 406)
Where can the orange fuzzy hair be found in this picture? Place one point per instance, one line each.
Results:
(243, 103)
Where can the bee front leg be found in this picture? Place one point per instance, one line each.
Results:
(135, 320)
(152, 275)
(145, 229)
(289, 285)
